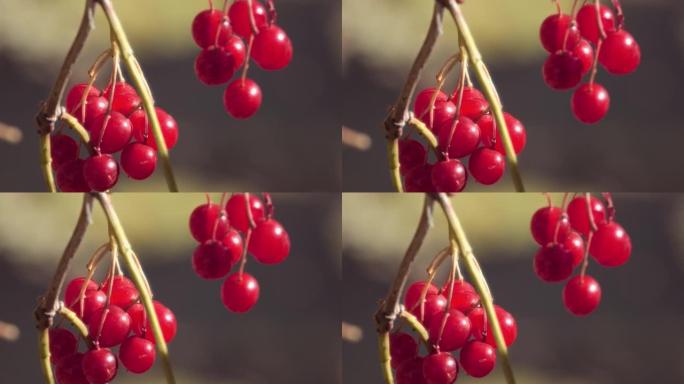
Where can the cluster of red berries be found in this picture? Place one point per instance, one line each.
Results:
(116, 319)
(567, 237)
(220, 230)
(569, 39)
(469, 132)
(459, 325)
(116, 122)
(220, 35)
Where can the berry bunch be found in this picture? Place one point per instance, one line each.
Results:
(576, 43)
(464, 128)
(226, 232)
(220, 34)
(116, 122)
(567, 237)
(459, 325)
(114, 317)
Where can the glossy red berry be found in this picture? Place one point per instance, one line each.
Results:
(442, 117)
(464, 139)
(211, 260)
(507, 323)
(553, 263)
(124, 293)
(232, 241)
(209, 28)
(464, 298)
(240, 18)
(553, 32)
(62, 149)
(611, 245)
(138, 161)
(101, 172)
(422, 102)
(419, 179)
(73, 289)
(578, 213)
(411, 371)
(111, 331)
(440, 368)
(478, 358)
(142, 128)
(75, 95)
(214, 66)
(99, 366)
(575, 245)
(562, 70)
(487, 165)
(449, 176)
(584, 51)
(590, 102)
(544, 222)
(270, 243)
(433, 306)
(473, 105)
(450, 334)
(111, 132)
(140, 324)
(587, 21)
(207, 218)
(240, 292)
(620, 53)
(63, 343)
(490, 136)
(242, 98)
(402, 347)
(236, 49)
(237, 211)
(126, 99)
(95, 106)
(93, 301)
(411, 154)
(70, 370)
(272, 48)
(137, 354)
(468, 93)
(581, 295)
(414, 292)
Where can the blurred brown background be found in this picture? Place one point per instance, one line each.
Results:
(634, 149)
(298, 122)
(634, 337)
(290, 336)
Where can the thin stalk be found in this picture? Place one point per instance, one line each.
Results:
(424, 131)
(73, 318)
(458, 233)
(141, 85)
(126, 251)
(75, 126)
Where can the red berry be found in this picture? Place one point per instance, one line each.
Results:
(473, 105)
(402, 347)
(507, 323)
(211, 260)
(419, 179)
(206, 25)
(585, 53)
(272, 48)
(73, 289)
(111, 331)
(63, 343)
(544, 222)
(142, 129)
(232, 241)
(553, 32)
(93, 301)
(491, 137)
(611, 245)
(124, 293)
(440, 368)
(422, 102)
(411, 154)
(269, 243)
(111, 132)
(126, 99)
(95, 106)
(140, 324)
(101, 172)
(137, 354)
(553, 263)
(237, 211)
(411, 371)
(575, 245)
(205, 219)
(487, 165)
(464, 140)
(138, 161)
(464, 298)
(468, 93)
(587, 22)
(620, 53)
(451, 334)
(242, 98)
(214, 66)
(70, 370)
(562, 70)
(590, 102)
(443, 116)
(449, 176)
(240, 18)
(581, 295)
(62, 149)
(236, 49)
(99, 366)
(414, 292)
(478, 358)
(578, 213)
(433, 306)
(73, 98)
(240, 292)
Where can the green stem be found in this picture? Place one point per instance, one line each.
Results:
(393, 160)
(73, 318)
(44, 355)
(456, 230)
(76, 126)
(126, 251)
(424, 131)
(141, 85)
(46, 162)
(385, 357)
